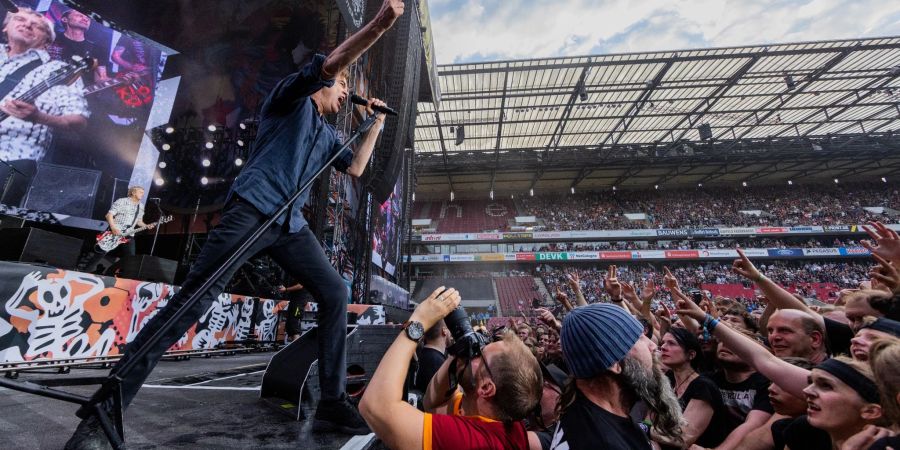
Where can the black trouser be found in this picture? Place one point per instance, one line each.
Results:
(126, 249)
(299, 254)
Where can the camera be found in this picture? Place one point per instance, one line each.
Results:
(467, 343)
(696, 296)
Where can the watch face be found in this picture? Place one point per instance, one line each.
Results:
(415, 331)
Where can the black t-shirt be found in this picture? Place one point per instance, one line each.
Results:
(430, 360)
(838, 337)
(703, 388)
(741, 398)
(883, 443)
(799, 434)
(64, 48)
(586, 426)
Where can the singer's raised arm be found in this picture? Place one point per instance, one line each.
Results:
(351, 49)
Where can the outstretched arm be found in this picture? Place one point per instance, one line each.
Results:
(356, 45)
(777, 295)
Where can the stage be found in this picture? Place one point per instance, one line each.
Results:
(197, 403)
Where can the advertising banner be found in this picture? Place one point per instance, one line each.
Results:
(665, 232)
(588, 256)
(615, 255)
(854, 251)
(821, 252)
(552, 256)
(704, 232)
(718, 253)
(678, 254)
(771, 230)
(785, 252)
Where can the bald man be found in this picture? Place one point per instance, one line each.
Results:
(797, 333)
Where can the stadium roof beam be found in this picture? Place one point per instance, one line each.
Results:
(859, 98)
(638, 104)
(437, 118)
(582, 174)
(500, 129)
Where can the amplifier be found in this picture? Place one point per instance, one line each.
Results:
(148, 268)
(11, 221)
(40, 246)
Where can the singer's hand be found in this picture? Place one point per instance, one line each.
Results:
(372, 103)
(388, 14)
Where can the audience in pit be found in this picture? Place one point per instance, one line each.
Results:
(621, 369)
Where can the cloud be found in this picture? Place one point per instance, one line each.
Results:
(484, 30)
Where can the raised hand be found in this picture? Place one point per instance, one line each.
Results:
(743, 267)
(885, 276)
(563, 299)
(670, 280)
(573, 280)
(390, 11)
(649, 290)
(690, 309)
(611, 284)
(547, 317)
(436, 306)
(887, 242)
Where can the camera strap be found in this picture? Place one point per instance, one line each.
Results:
(451, 372)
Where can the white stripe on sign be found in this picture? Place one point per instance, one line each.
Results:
(359, 442)
(207, 388)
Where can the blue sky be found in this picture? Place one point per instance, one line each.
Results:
(489, 30)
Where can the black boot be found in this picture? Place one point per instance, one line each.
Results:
(339, 416)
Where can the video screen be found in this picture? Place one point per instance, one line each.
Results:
(78, 101)
(386, 239)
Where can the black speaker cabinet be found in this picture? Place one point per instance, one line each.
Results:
(11, 221)
(40, 246)
(148, 268)
(63, 189)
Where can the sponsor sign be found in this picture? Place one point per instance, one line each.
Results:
(586, 255)
(737, 231)
(718, 253)
(615, 255)
(751, 252)
(462, 258)
(854, 251)
(552, 256)
(490, 257)
(640, 233)
(487, 236)
(665, 232)
(432, 237)
(821, 252)
(801, 229)
(704, 232)
(768, 230)
(676, 254)
(517, 235)
(648, 254)
(509, 256)
(839, 228)
(785, 252)
(525, 257)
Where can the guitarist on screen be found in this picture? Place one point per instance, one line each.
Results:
(27, 127)
(126, 213)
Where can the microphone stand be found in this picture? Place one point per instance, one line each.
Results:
(110, 390)
(156, 235)
(9, 178)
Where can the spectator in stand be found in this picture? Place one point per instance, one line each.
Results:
(431, 356)
(612, 365)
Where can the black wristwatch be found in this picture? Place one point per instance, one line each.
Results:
(414, 330)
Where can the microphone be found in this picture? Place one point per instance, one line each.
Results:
(10, 6)
(154, 198)
(382, 109)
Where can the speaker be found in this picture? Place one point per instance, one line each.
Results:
(63, 189)
(40, 246)
(148, 268)
(705, 131)
(11, 221)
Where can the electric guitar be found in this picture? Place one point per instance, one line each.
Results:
(107, 241)
(67, 75)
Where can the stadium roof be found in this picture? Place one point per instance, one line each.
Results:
(788, 91)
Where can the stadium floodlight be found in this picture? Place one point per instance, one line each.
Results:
(204, 181)
(205, 162)
(159, 181)
(414, 196)
(573, 190)
(883, 180)
(699, 184)
(492, 194)
(162, 164)
(835, 181)
(790, 183)
(452, 196)
(531, 192)
(744, 183)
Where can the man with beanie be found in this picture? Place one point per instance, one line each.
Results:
(613, 366)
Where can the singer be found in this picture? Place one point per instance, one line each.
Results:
(293, 142)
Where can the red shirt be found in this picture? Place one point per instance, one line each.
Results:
(444, 432)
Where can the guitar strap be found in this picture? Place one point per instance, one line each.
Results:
(13, 79)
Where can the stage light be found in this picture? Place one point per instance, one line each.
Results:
(205, 162)
(159, 181)
(452, 196)
(789, 81)
(883, 180)
(699, 184)
(210, 145)
(492, 195)
(835, 181)
(531, 192)
(170, 130)
(243, 125)
(414, 196)
(162, 164)
(790, 183)
(460, 135)
(166, 147)
(240, 143)
(744, 183)
(656, 186)
(211, 128)
(614, 188)
(204, 181)
(238, 162)
(572, 189)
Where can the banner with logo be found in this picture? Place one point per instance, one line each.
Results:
(785, 252)
(711, 254)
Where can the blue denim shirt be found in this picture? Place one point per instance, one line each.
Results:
(292, 143)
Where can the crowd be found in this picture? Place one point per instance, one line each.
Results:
(683, 208)
(691, 244)
(620, 369)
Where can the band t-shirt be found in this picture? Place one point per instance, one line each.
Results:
(741, 398)
(586, 426)
(446, 432)
(704, 389)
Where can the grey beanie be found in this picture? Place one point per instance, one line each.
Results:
(594, 337)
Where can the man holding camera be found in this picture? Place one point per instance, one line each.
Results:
(501, 382)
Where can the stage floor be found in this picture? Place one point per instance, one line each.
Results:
(197, 403)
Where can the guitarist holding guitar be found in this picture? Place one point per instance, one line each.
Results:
(27, 121)
(125, 214)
